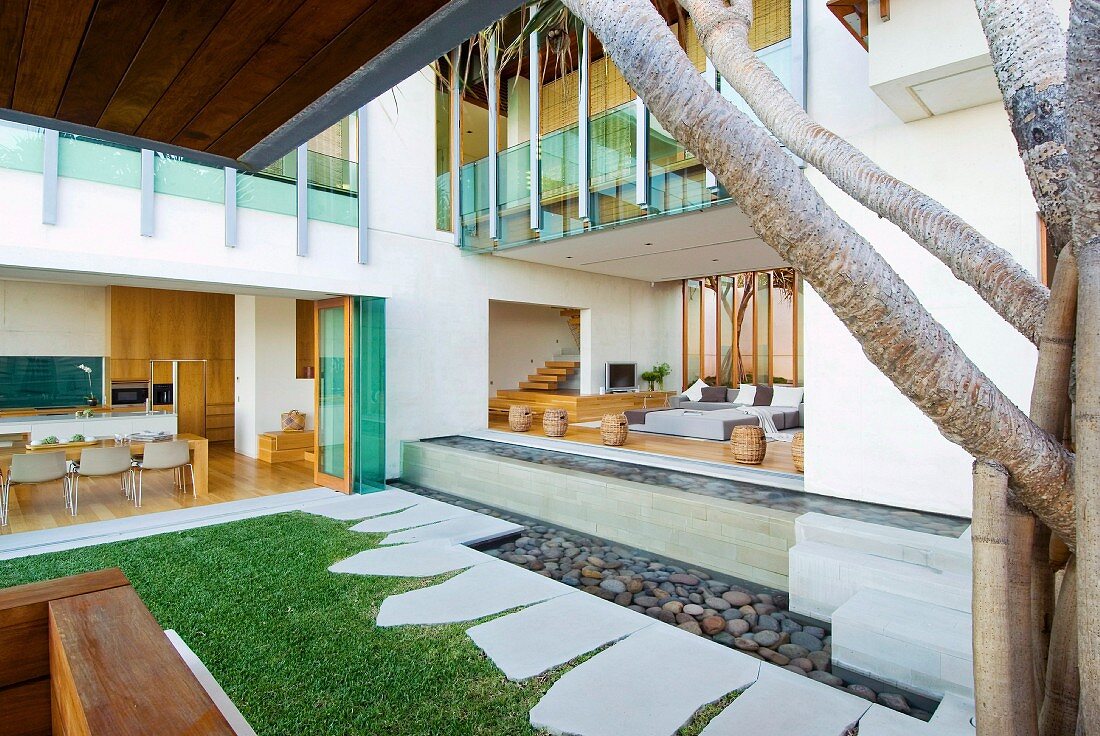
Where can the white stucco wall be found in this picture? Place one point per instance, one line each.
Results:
(52, 319)
(437, 313)
(864, 439)
(265, 365)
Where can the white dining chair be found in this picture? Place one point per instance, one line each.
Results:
(101, 461)
(174, 455)
(33, 468)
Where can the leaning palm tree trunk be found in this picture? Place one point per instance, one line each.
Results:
(1029, 57)
(897, 334)
(1058, 716)
(1003, 693)
(1050, 406)
(988, 269)
(1083, 136)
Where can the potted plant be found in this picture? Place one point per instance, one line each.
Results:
(92, 400)
(650, 377)
(661, 371)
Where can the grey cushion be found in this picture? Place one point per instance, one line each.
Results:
(763, 395)
(713, 394)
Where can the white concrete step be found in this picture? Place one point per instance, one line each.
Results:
(472, 529)
(906, 641)
(824, 577)
(347, 508)
(953, 717)
(418, 560)
(426, 511)
(947, 554)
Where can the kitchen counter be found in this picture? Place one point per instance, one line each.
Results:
(72, 417)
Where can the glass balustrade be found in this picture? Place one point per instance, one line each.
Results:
(20, 147)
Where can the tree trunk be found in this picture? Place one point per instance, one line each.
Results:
(1003, 693)
(1083, 72)
(897, 334)
(1058, 716)
(1050, 404)
(1029, 57)
(988, 269)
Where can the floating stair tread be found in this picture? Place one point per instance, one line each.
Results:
(535, 386)
(562, 364)
(554, 371)
(540, 378)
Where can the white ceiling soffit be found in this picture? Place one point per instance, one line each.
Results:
(89, 278)
(715, 240)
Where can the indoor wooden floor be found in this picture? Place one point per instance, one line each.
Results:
(233, 477)
(778, 458)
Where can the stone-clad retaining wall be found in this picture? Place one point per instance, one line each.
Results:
(746, 541)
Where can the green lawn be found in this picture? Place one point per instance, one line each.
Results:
(294, 645)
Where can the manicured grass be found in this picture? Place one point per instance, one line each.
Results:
(294, 645)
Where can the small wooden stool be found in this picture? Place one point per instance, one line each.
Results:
(519, 417)
(749, 446)
(555, 422)
(613, 430)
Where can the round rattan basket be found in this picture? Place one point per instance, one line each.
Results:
(748, 444)
(798, 452)
(555, 422)
(613, 429)
(519, 417)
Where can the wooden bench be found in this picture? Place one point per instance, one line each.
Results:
(83, 655)
(285, 447)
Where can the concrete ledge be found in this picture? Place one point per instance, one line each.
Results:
(907, 642)
(743, 540)
(945, 554)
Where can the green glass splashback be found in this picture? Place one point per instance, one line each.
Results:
(48, 381)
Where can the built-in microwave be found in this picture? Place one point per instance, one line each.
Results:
(125, 394)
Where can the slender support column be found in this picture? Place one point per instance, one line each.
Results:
(493, 93)
(798, 51)
(711, 73)
(147, 201)
(582, 127)
(301, 188)
(536, 158)
(361, 184)
(456, 146)
(49, 177)
(230, 199)
(641, 154)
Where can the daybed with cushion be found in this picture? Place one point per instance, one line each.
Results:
(711, 412)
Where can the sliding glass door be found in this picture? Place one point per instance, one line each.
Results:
(332, 440)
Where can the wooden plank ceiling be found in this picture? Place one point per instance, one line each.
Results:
(213, 76)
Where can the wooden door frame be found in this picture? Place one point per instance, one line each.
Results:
(320, 478)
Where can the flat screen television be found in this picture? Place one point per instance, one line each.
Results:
(620, 377)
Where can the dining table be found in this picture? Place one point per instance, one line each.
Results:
(200, 454)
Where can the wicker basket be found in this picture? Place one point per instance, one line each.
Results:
(519, 417)
(613, 429)
(293, 421)
(748, 444)
(555, 422)
(798, 452)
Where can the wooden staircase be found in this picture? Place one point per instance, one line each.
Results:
(550, 375)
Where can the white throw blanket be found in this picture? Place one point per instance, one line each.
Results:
(771, 432)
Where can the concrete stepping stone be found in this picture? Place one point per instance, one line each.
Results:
(461, 530)
(480, 591)
(649, 684)
(952, 718)
(529, 642)
(424, 512)
(793, 705)
(419, 560)
(368, 504)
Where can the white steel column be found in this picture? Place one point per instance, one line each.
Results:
(147, 195)
(456, 146)
(230, 200)
(493, 94)
(49, 177)
(582, 127)
(641, 153)
(533, 123)
(302, 190)
(361, 183)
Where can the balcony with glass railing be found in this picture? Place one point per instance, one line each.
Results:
(332, 181)
(675, 181)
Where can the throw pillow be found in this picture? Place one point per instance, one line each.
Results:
(746, 394)
(763, 395)
(714, 394)
(787, 396)
(695, 391)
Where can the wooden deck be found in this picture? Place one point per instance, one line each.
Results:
(232, 477)
(778, 458)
